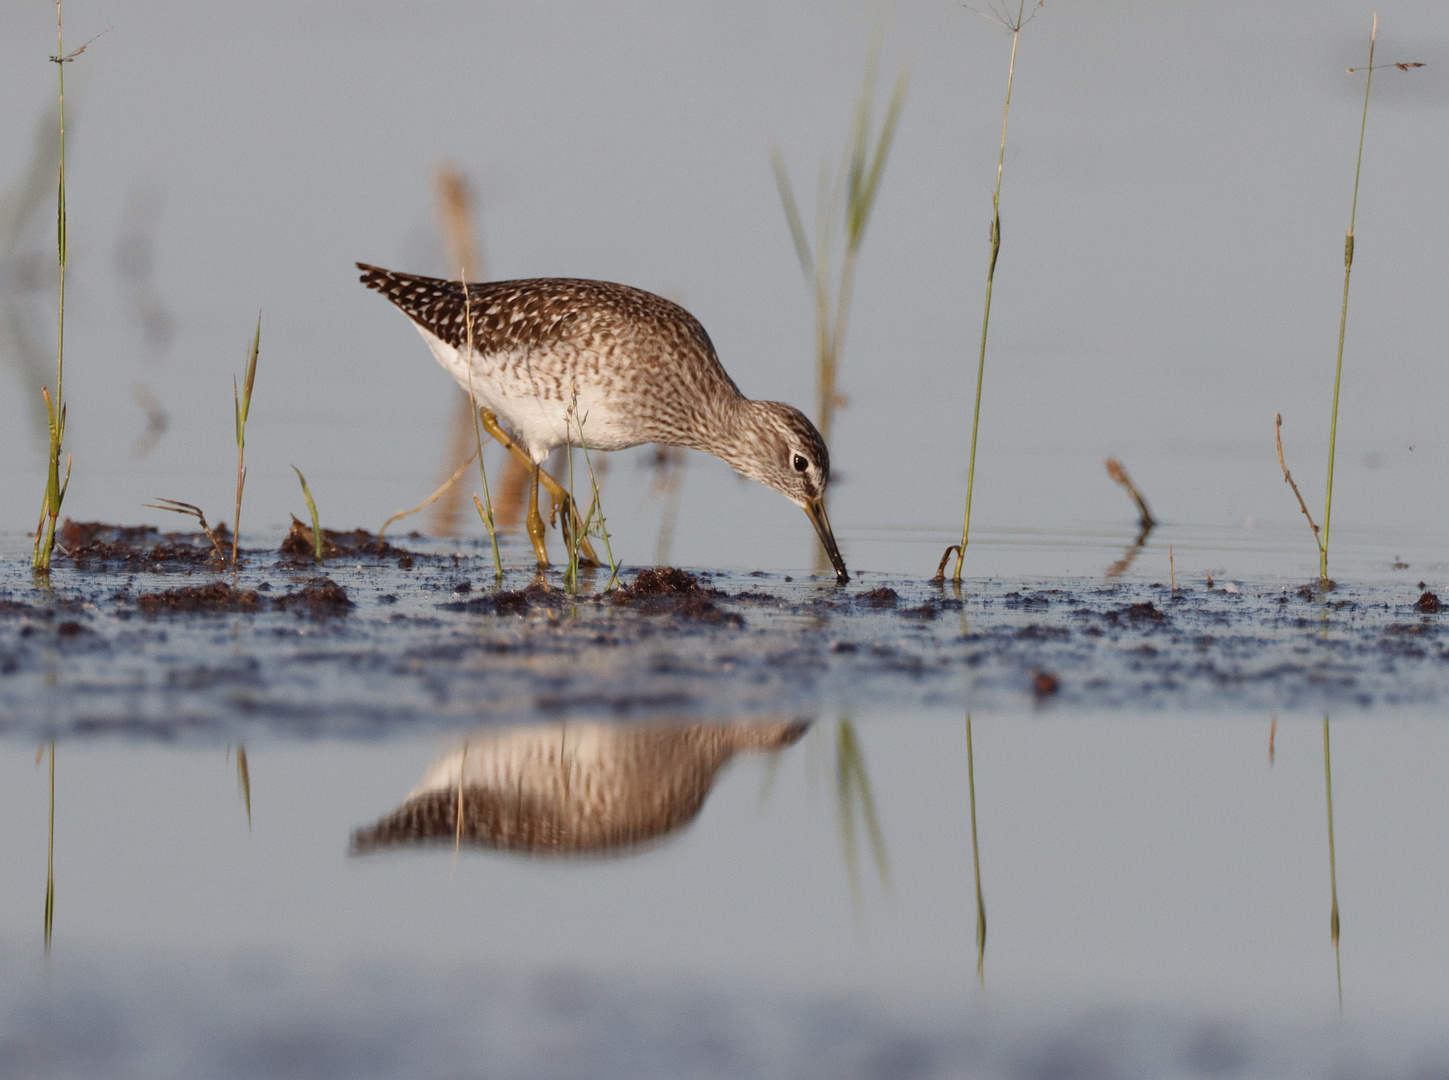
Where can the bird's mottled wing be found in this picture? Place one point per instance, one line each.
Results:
(506, 315)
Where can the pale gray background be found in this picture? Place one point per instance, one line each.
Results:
(1177, 189)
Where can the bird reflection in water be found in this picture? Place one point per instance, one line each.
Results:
(572, 788)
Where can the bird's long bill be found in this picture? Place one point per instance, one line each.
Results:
(816, 509)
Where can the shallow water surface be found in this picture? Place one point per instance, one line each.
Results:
(714, 899)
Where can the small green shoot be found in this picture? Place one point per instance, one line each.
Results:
(1015, 27)
(243, 402)
(317, 540)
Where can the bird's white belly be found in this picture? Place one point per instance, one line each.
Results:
(536, 410)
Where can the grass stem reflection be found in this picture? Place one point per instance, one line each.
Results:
(976, 862)
(852, 790)
(1332, 861)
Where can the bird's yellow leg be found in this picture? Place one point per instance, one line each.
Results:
(535, 523)
(555, 489)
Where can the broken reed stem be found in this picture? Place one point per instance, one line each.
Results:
(1172, 569)
(312, 509)
(443, 487)
(1288, 479)
(1119, 474)
(176, 507)
(1015, 29)
(485, 508)
(55, 409)
(243, 404)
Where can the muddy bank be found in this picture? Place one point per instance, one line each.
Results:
(381, 639)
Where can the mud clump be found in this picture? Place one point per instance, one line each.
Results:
(319, 598)
(503, 602)
(509, 602)
(660, 581)
(1429, 604)
(879, 598)
(665, 590)
(94, 541)
(1145, 610)
(218, 596)
(300, 547)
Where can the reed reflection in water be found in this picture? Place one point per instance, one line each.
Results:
(570, 788)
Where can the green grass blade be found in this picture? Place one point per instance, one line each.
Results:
(792, 214)
(312, 509)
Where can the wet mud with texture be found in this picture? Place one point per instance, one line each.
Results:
(139, 633)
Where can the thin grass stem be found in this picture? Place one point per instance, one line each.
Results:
(596, 504)
(990, 285)
(443, 487)
(485, 508)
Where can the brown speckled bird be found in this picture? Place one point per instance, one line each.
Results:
(546, 355)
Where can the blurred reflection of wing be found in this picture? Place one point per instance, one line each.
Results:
(135, 263)
(575, 788)
(27, 269)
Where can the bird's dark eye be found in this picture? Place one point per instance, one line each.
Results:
(800, 463)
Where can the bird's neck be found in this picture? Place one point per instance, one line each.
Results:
(732, 422)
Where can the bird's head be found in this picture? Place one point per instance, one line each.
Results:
(781, 449)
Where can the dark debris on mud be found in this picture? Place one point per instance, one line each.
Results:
(375, 646)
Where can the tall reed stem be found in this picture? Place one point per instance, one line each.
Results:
(55, 408)
(1015, 29)
(1343, 317)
